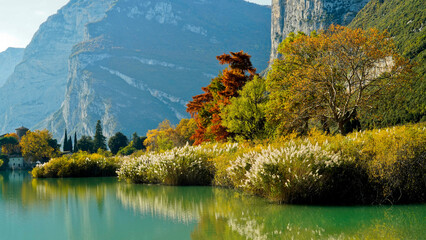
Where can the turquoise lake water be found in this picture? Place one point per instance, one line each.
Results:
(104, 208)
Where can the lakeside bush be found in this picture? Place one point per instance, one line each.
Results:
(81, 164)
(377, 166)
(187, 165)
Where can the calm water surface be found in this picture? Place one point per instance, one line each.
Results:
(103, 208)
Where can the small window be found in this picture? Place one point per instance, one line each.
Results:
(19, 165)
(13, 164)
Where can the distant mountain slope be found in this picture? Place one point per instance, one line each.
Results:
(8, 60)
(146, 59)
(36, 88)
(405, 20)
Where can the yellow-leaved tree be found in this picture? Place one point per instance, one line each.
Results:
(332, 76)
(167, 136)
(39, 146)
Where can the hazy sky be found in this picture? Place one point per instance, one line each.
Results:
(20, 19)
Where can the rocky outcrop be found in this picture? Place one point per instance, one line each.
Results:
(308, 15)
(146, 59)
(8, 60)
(37, 86)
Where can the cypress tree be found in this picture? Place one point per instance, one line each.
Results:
(65, 146)
(99, 140)
(75, 142)
(70, 144)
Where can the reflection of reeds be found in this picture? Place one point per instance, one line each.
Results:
(176, 204)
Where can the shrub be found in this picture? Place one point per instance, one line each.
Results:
(378, 166)
(180, 166)
(80, 164)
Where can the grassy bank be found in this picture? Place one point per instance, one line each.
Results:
(79, 164)
(378, 166)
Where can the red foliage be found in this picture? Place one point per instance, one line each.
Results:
(233, 78)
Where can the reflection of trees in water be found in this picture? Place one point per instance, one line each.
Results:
(225, 214)
(220, 213)
(181, 204)
(17, 191)
(78, 198)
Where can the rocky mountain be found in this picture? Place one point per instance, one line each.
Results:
(37, 86)
(8, 60)
(145, 60)
(308, 15)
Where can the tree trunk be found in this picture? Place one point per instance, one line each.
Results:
(342, 127)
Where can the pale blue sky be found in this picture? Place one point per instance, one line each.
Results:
(20, 19)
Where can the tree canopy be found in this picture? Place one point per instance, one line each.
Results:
(331, 76)
(39, 145)
(85, 143)
(116, 142)
(9, 144)
(245, 116)
(99, 140)
(206, 107)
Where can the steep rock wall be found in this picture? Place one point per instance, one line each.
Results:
(309, 15)
(146, 59)
(36, 88)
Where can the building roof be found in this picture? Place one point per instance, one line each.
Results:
(22, 128)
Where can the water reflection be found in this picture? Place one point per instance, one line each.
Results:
(103, 208)
(225, 214)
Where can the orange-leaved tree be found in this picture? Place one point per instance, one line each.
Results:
(11, 144)
(331, 76)
(206, 107)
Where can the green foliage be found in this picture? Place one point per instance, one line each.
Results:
(404, 20)
(116, 142)
(85, 143)
(245, 116)
(4, 161)
(126, 151)
(67, 146)
(75, 143)
(81, 164)
(137, 142)
(99, 141)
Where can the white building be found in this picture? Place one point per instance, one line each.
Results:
(16, 162)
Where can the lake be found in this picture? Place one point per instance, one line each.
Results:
(104, 208)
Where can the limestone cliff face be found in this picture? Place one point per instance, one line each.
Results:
(308, 15)
(8, 60)
(145, 60)
(36, 88)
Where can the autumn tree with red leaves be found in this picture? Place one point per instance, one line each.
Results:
(206, 107)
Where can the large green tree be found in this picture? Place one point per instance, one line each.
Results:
(116, 142)
(245, 116)
(137, 142)
(85, 143)
(99, 141)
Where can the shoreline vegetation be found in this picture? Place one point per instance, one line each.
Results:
(381, 166)
(316, 130)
